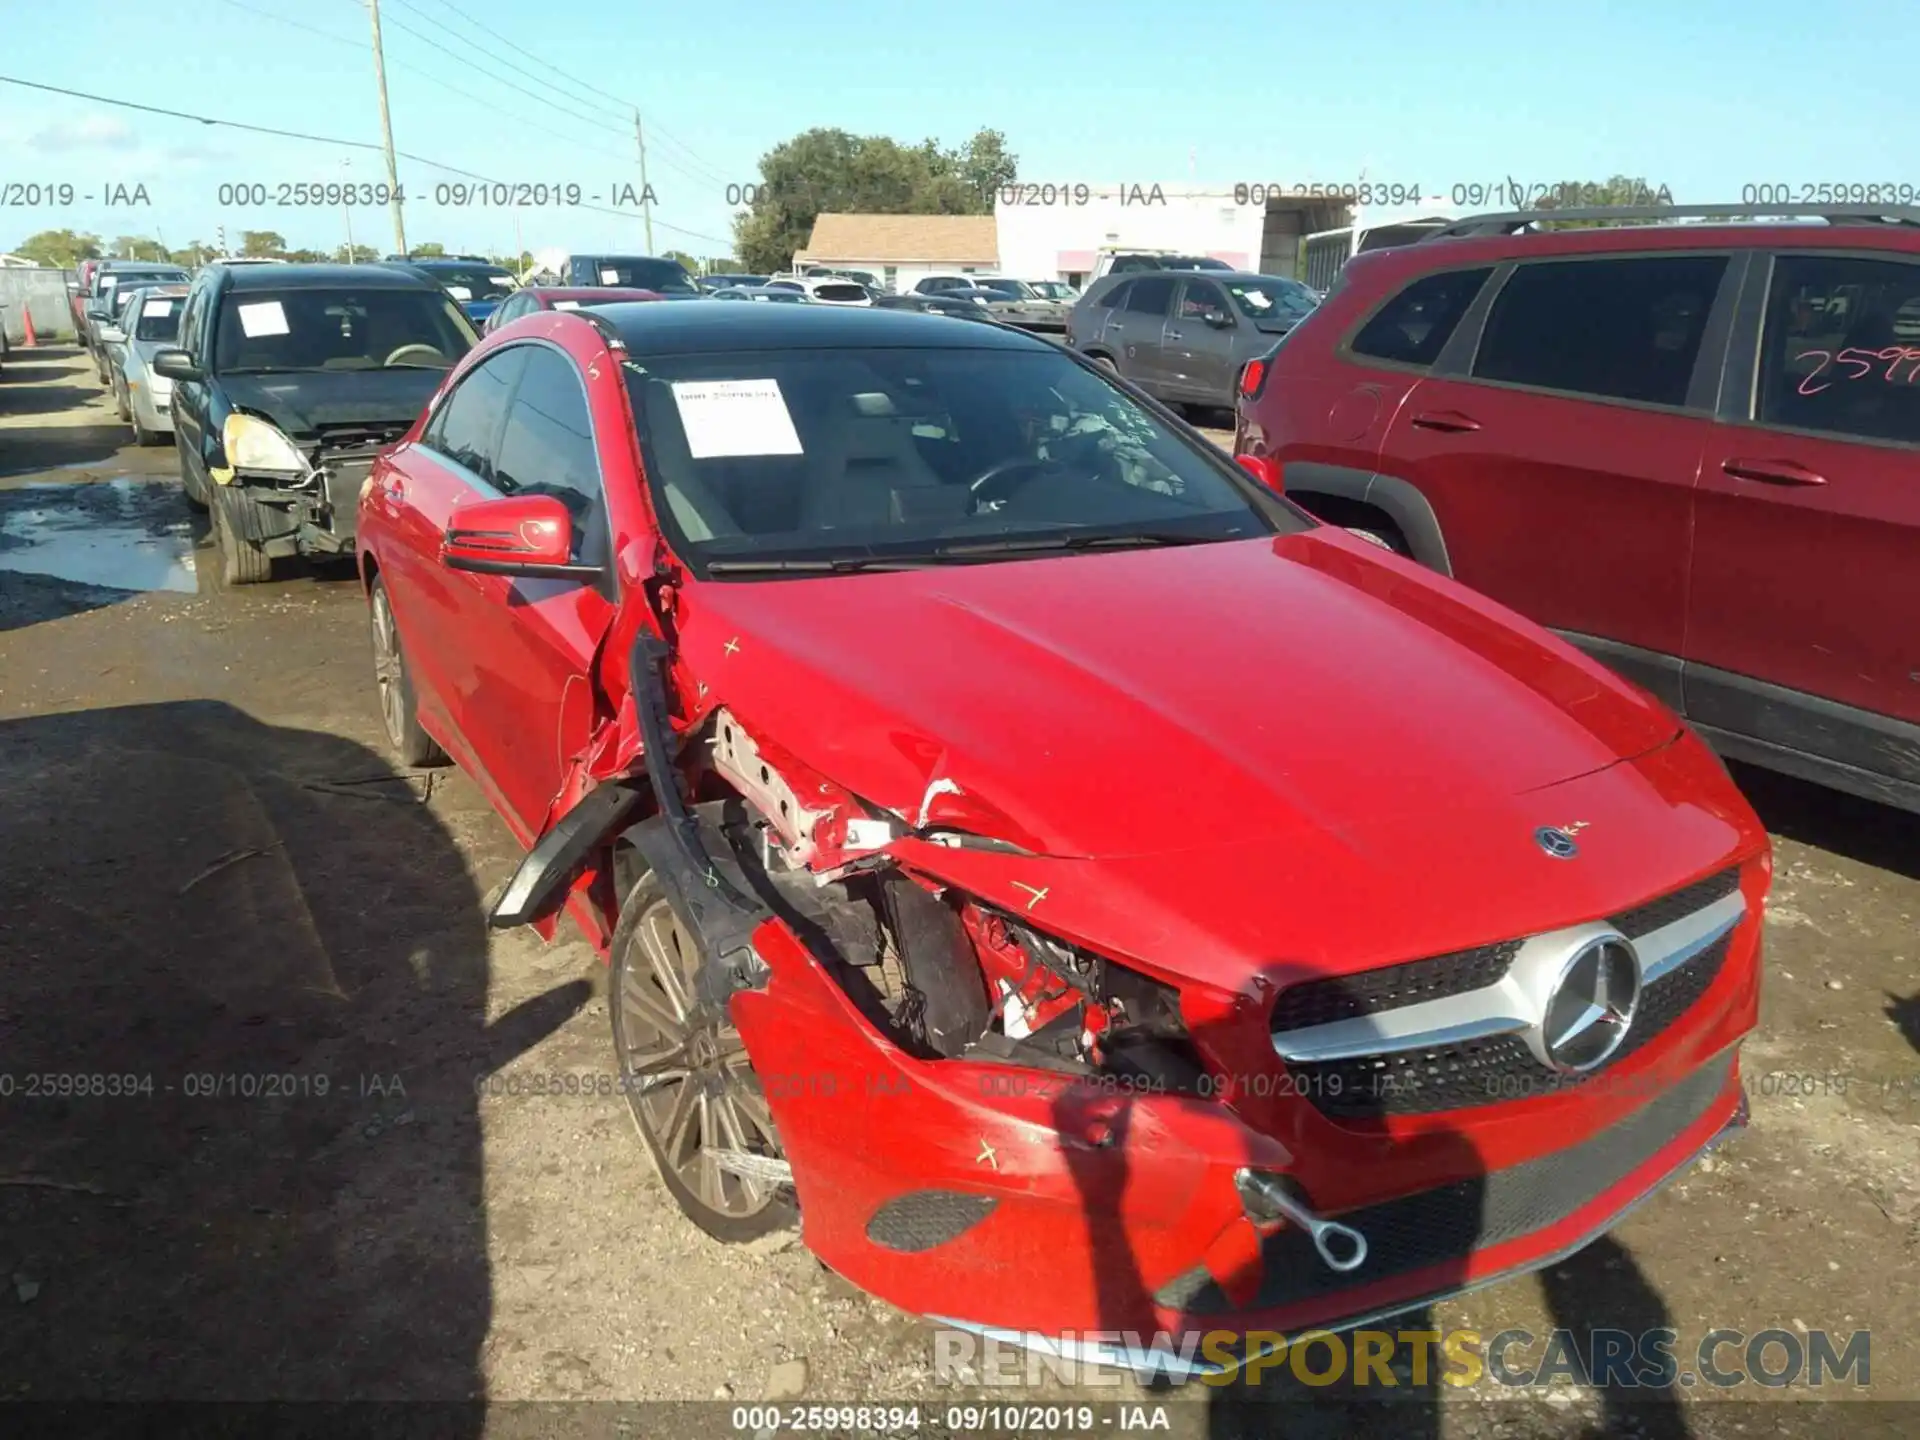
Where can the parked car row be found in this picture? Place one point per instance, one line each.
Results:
(1691, 447)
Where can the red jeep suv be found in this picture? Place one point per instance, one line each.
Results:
(1693, 449)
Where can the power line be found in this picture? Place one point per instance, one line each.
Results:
(414, 70)
(575, 81)
(324, 140)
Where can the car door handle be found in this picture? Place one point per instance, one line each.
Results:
(1448, 422)
(1773, 472)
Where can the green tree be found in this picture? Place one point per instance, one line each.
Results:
(193, 253)
(357, 255)
(1591, 194)
(687, 262)
(306, 257)
(136, 247)
(263, 244)
(834, 171)
(429, 250)
(62, 249)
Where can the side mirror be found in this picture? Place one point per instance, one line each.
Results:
(174, 364)
(1265, 469)
(1219, 319)
(529, 536)
(112, 335)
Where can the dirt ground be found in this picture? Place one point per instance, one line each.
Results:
(209, 869)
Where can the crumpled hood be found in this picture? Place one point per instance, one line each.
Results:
(1139, 702)
(300, 404)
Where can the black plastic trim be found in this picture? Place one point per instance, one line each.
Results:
(1650, 669)
(549, 867)
(522, 570)
(1400, 500)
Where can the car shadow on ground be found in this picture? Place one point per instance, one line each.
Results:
(1318, 1389)
(242, 1012)
(1863, 830)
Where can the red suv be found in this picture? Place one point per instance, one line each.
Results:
(1092, 893)
(1691, 449)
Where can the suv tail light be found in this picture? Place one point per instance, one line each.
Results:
(1253, 375)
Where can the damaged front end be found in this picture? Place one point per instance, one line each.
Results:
(305, 495)
(983, 1119)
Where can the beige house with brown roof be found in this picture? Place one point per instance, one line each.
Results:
(900, 249)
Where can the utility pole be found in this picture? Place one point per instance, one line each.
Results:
(346, 206)
(646, 203)
(386, 130)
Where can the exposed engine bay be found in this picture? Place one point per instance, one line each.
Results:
(943, 973)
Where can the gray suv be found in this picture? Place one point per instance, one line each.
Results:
(1182, 336)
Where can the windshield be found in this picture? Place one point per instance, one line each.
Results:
(933, 455)
(642, 272)
(339, 330)
(1004, 289)
(1271, 297)
(481, 282)
(159, 317)
(1054, 290)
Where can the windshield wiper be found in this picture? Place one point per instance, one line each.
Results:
(842, 565)
(1133, 539)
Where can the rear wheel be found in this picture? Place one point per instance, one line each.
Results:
(399, 706)
(236, 519)
(698, 1106)
(1105, 362)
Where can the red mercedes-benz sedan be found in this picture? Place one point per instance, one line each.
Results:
(1081, 889)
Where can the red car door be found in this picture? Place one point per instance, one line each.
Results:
(526, 647)
(1561, 466)
(413, 495)
(1807, 554)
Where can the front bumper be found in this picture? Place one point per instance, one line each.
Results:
(155, 412)
(1016, 1202)
(317, 517)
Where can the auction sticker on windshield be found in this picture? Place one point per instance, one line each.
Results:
(460, 292)
(609, 277)
(735, 417)
(156, 309)
(265, 318)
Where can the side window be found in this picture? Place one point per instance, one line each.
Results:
(193, 320)
(1116, 298)
(1841, 351)
(1201, 298)
(1414, 326)
(1626, 329)
(467, 427)
(547, 447)
(1152, 295)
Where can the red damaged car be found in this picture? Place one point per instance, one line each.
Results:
(1083, 890)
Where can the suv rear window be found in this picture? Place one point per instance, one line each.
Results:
(1414, 326)
(847, 291)
(1619, 329)
(1151, 296)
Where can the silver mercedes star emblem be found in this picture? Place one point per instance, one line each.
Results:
(1556, 842)
(1590, 1009)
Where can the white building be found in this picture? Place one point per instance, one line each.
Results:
(899, 250)
(1055, 231)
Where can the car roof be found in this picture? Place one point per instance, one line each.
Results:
(691, 329)
(442, 262)
(590, 294)
(324, 277)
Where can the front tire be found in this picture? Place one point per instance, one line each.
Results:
(195, 493)
(687, 1079)
(235, 520)
(399, 704)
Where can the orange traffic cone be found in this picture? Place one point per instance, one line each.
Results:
(26, 314)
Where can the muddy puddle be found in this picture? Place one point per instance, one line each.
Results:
(124, 534)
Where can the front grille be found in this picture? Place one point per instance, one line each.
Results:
(1492, 1071)
(1445, 1224)
(1489, 1070)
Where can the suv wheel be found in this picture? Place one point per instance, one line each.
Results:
(399, 703)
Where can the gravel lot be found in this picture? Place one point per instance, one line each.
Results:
(209, 868)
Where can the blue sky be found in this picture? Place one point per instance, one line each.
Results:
(1705, 96)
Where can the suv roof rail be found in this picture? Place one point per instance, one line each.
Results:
(1513, 221)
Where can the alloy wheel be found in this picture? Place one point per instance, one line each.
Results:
(388, 673)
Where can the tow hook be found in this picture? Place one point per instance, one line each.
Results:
(1267, 1199)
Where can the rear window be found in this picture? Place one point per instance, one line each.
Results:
(159, 317)
(479, 283)
(1413, 327)
(638, 272)
(1619, 329)
(848, 291)
(324, 329)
